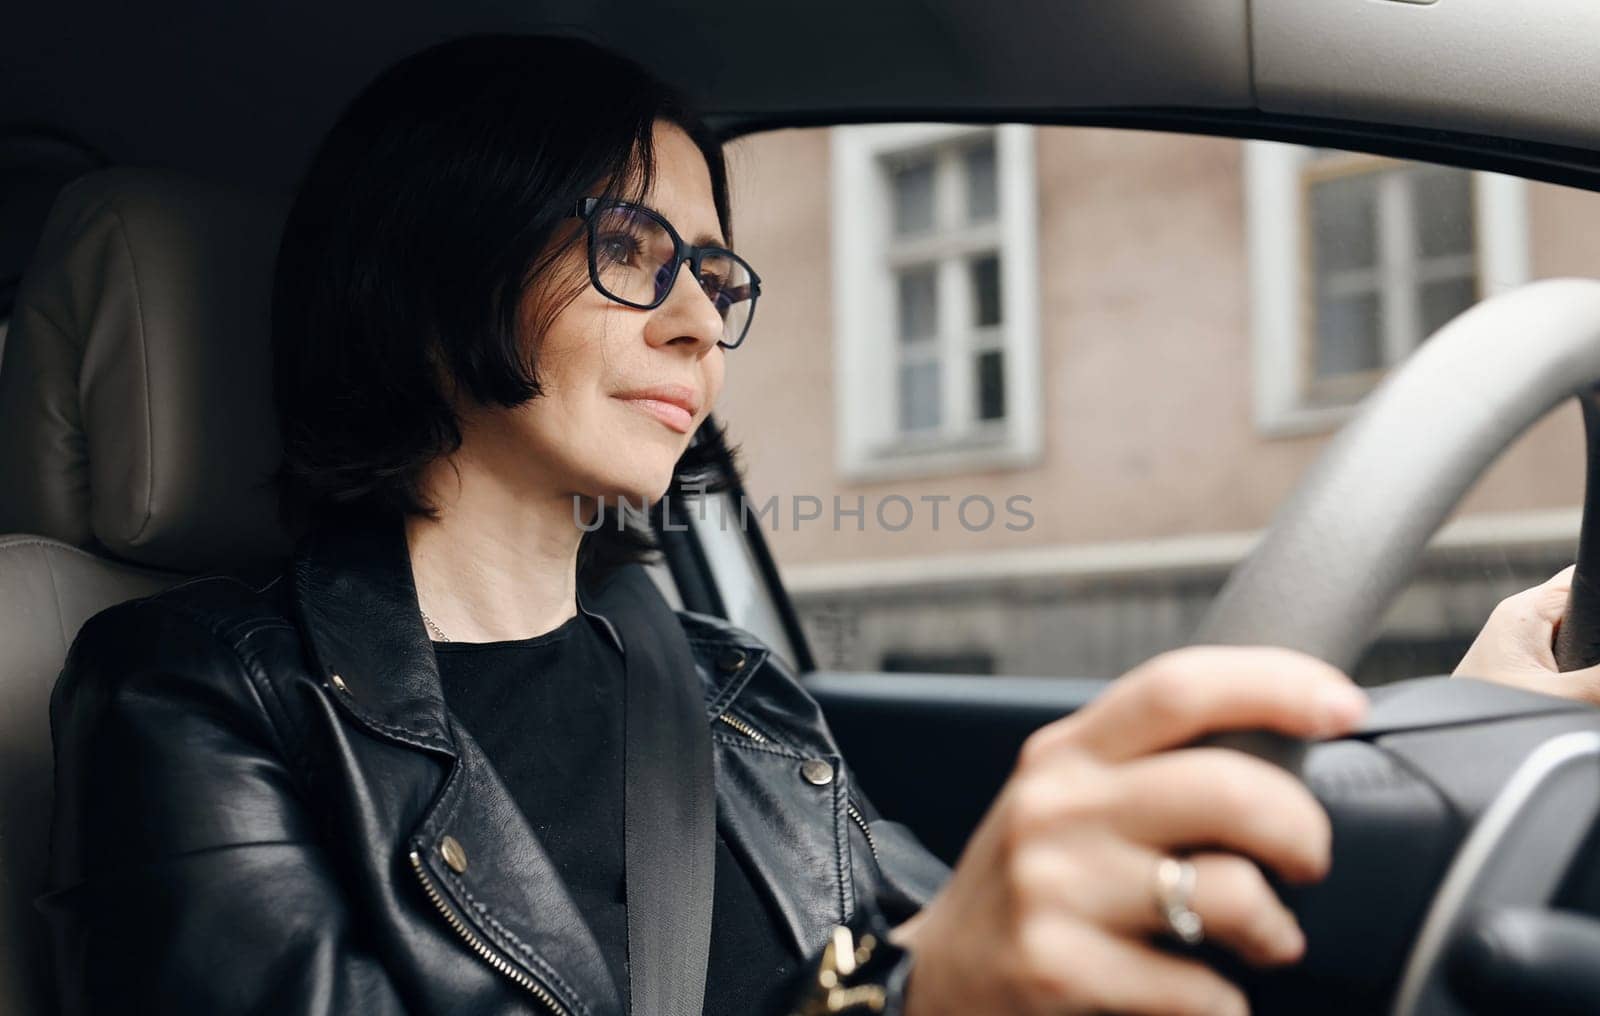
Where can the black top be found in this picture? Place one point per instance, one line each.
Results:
(548, 712)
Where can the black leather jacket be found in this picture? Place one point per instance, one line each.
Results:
(253, 784)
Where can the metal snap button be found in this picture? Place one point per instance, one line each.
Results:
(338, 682)
(816, 772)
(454, 855)
(732, 660)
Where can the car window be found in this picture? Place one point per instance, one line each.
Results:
(1017, 399)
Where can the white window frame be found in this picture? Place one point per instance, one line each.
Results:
(1275, 225)
(869, 444)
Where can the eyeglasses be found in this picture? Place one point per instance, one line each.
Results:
(634, 259)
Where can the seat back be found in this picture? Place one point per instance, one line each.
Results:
(137, 444)
(47, 590)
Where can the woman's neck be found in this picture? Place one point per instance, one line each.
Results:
(496, 565)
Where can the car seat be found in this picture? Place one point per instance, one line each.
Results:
(137, 444)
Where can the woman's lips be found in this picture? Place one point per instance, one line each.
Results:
(674, 416)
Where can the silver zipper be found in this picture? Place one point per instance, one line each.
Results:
(861, 820)
(744, 728)
(494, 959)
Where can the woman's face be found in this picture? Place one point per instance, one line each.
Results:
(623, 389)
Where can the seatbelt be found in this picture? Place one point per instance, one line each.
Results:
(669, 804)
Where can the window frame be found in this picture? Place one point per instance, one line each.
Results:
(1277, 184)
(869, 443)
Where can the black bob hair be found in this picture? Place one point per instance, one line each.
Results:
(428, 210)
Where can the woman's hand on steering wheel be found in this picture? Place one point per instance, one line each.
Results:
(1517, 644)
(1053, 907)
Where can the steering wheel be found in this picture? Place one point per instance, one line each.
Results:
(1461, 810)
(1345, 542)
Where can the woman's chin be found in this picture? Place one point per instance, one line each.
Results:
(635, 491)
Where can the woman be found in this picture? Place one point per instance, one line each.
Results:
(449, 763)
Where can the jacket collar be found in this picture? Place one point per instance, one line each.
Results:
(356, 602)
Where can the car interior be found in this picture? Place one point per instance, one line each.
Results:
(146, 163)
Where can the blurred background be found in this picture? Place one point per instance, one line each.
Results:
(1016, 398)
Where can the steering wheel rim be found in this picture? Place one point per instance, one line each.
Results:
(1341, 547)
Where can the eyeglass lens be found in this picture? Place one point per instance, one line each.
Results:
(636, 263)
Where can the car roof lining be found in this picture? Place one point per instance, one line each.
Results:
(248, 89)
(242, 92)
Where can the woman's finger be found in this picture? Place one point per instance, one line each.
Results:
(1563, 578)
(1218, 797)
(1181, 696)
(1550, 603)
(1238, 909)
(1076, 968)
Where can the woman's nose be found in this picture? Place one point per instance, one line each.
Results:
(686, 314)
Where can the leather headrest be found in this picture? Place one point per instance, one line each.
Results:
(136, 385)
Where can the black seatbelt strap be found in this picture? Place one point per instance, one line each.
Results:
(669, 804)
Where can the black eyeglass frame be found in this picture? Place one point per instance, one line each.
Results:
(682, 252)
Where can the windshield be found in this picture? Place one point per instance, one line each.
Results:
(1016, 399)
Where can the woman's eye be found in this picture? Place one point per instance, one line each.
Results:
(713, 283)
(715, 287)
(617, 248)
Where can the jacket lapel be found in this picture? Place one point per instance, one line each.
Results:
(798, 854)
(356, 603)
(357, 608)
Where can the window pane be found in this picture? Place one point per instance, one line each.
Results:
(991, 386)
(1344, 222)
(1443, 199)
(1347, 335)
(982, 198)
(919, 396)
(1443, 300)
(912, 183)
(985, 272)
(919, 314)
